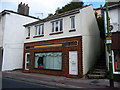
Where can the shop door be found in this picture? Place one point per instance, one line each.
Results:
(73, 63)
(27, 60)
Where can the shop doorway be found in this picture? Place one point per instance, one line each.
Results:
(73, 62)
(27, 61)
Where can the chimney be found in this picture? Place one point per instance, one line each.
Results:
(23, 9)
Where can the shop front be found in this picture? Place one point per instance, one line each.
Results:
(116, 51)
(56, 57)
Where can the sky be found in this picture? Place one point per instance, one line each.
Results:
(41, 8)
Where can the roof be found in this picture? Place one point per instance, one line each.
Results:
(71, 12)
(10, 11)
(112, 5)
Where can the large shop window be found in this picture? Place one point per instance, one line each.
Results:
(49, 60)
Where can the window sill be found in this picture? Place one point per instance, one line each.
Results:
(27, 37)
(72, 30)
(38, 36)
(55, 33)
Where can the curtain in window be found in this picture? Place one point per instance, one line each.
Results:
(57, 62)
(36, 59)
(51, 60)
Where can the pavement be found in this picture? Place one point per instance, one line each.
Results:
(59, 81)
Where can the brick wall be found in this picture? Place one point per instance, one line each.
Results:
(65, 55)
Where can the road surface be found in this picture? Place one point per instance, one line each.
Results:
(12, 83)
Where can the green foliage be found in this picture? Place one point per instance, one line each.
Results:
(70, 6)
(50, 15)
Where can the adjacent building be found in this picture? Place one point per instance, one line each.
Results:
(66, 44)
(12, 38)
(114, 15)
(99, 11)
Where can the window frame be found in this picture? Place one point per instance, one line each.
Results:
(58, 25)
(72, 23)
(53, 62)
(26, 58)
(28, 32)
(39, 30)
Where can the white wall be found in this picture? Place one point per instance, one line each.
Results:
(13, 41)
(66, 28)
(114, 17)
(91, 39)
(2, 19)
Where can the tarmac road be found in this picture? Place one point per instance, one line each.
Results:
(13, 83)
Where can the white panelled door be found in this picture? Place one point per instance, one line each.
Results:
(73, 63)
(27, 60)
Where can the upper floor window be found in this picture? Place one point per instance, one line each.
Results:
(28, 32)
(57, 26)
(39, 30)
(72, 22)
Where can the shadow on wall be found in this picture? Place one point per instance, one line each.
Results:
(1, 58)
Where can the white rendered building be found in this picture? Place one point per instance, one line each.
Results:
(12, 39)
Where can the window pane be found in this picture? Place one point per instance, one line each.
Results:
(49, 60)
(35, 30)
(116, 54)
(42, 29)
(27, 65)
(39, 30)
(117, 60)
(57, 62)
(52, 26)
(39, 61)
(72, 22)
(35, 62)
(29, 31)
(27, 60)
(56, 29)
(28, 57)
(61, 25)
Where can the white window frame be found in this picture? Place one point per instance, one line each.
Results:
(54, 26)
(26, 61)
(39, 30)
(71, 26)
